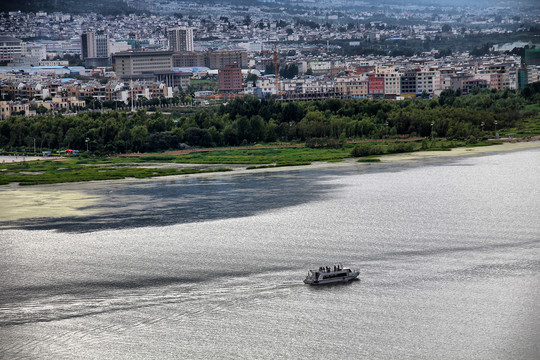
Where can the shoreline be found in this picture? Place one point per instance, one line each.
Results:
(73, 199)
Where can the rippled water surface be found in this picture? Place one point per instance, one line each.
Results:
(201, 268)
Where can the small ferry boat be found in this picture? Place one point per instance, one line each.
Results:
(327, 275)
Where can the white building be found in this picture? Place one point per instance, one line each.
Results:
(119, 46)
(392, 83)
(180, 39)
(428, 81)
(36, 51)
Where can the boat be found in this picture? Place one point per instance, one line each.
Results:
(328, 275)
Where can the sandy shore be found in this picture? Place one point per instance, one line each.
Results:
(463, 151)
(12, 158)
(60, 200)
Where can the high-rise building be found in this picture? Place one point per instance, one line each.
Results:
(180, 39)
(94, 45)
(95, 48)
(230, 78)
(10, 47)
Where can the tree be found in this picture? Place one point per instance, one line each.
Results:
(253, 78)
(197, 137)
(269, 69)
(139, 136)
(289, 71)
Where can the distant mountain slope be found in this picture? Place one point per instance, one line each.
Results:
(114, 7)
(106, 7)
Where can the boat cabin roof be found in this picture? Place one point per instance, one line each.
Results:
(330, 268)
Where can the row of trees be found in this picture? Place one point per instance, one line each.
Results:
(250, 120)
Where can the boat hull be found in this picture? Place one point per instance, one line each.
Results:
(341, 279)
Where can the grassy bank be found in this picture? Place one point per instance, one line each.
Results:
(73, 170)
(146, 166)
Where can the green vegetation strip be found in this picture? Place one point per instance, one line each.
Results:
(369, 160)
(279, 156)
(52, 172)
(89, 169)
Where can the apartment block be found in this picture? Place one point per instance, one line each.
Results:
(392, 83)
(142, 62)
(352, 87)
(230, 79)
(211, 59)
(408, 84)
(10, 47)
(189, 59)
(220, 59)
(95, 49)
(427, 81)
(180, 39)
(376, 85)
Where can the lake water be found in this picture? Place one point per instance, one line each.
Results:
(212, 267)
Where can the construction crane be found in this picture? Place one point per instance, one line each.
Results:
(276, 67)
(276, 73)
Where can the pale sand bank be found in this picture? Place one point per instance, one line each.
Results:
(463, 151)
(60, 200)
(19, 158)
(35, 202)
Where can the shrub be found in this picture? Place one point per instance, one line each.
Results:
(401, 147)
(325, 142)
(367, 149)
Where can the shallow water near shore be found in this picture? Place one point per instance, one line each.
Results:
(212, 267)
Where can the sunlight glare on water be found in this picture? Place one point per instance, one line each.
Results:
(449, 254)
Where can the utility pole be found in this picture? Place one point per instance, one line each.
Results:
(131, 85)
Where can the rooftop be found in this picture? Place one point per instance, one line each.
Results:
(6, 38)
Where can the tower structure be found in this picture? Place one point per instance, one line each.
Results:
(95, 48)
(180, 39)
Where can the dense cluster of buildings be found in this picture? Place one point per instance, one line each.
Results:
(400, 78)
(153, 56)
(151, 74)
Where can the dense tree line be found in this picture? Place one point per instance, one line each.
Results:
(249, 120)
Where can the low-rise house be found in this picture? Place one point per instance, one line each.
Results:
(10, 108)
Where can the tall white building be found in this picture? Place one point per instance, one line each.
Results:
(180, 39)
